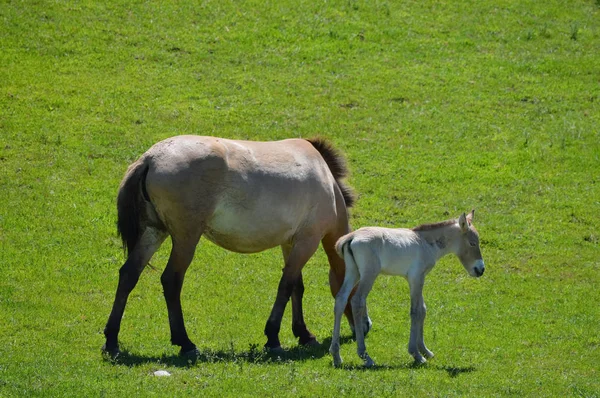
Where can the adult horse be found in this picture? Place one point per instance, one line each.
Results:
(245, 197)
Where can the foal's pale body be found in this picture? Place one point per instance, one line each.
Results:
(399, 249)
(410, 253)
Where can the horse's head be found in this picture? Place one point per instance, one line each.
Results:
(469, 252)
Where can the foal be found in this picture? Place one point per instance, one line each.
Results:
(411, 253)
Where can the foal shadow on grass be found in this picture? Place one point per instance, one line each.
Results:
(453, 371)
(254, 354)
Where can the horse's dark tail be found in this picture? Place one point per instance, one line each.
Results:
(130, 204)
(337, 165)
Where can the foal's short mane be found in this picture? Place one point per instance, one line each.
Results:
(429, 227)
(337, 165)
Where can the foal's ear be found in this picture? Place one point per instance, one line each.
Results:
(463, 223)
(470, 217)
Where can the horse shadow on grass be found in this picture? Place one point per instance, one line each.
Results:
(254, 354)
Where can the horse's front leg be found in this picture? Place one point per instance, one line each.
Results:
(416, 344)
(296, 256)
(305, 337)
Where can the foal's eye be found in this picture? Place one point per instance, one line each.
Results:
(472, 244)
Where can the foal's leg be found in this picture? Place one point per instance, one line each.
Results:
(129, 275)
(421, 343)
(172, 281)
(359, 307)
(341, 301)
(416, 344)
(299, 254)
(337, 270)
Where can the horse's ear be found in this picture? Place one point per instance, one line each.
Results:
(463, 223)
(470, 217)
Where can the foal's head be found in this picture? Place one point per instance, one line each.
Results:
(469, 252)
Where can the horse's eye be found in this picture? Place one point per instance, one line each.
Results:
(472, 244)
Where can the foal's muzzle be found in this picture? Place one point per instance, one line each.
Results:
(479, 268)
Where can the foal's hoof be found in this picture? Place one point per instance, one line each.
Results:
(419, 361)
(428, 354)
(337, 359)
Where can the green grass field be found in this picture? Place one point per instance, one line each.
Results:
(439, 106)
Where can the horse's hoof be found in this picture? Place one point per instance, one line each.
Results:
(111, 353)
(275, 351)
(369, 363)
(191, 355)
(312, 343)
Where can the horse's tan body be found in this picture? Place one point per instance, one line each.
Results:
(269, 194)
(245, 197)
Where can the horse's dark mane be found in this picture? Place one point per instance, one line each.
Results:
(337, 165)
(429, 227)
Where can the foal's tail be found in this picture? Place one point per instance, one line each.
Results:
(337, 165)
(131, 204)
(342, 242)
(343, 249)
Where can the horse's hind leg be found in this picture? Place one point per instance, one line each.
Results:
(299, 254)
(172, 282)
(129, 275)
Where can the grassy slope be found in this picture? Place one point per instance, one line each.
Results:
(439, 106)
